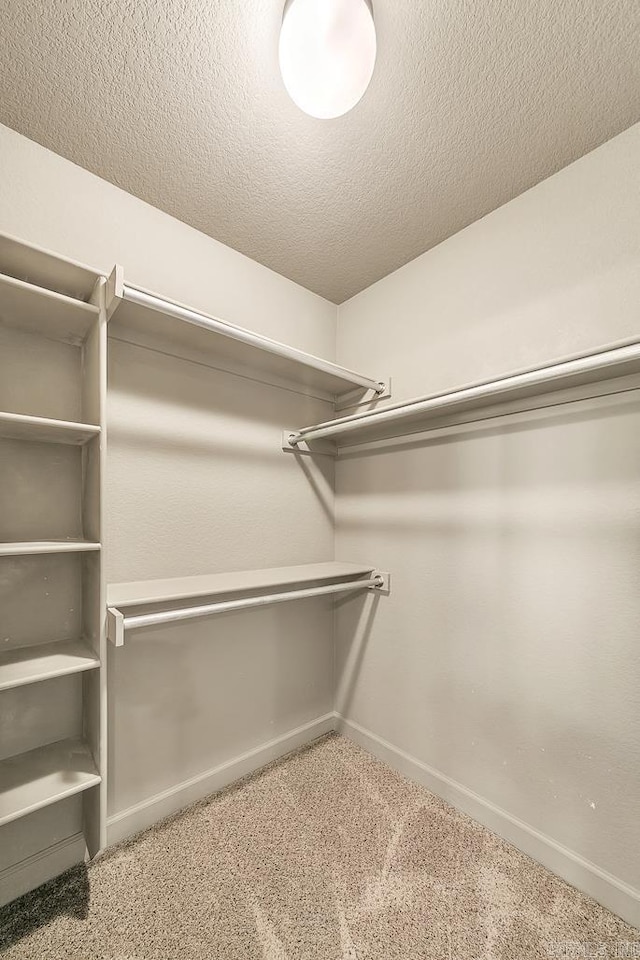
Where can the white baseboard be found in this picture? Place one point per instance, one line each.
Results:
(42, 866)
(587, 877)
(155, 808)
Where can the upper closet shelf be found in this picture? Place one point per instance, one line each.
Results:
(611, 369)
(143, 317)
(54, 315)
(19, 426)
(41, 268)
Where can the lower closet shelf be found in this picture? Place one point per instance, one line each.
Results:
(315, 578)
(43, 776)
(141, 592)
(45, 661)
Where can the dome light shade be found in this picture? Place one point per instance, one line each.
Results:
(327, 54)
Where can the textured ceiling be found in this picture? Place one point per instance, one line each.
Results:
(180, 102)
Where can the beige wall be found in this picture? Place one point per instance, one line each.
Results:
(196, 483)
(46, 200)
(505, 663)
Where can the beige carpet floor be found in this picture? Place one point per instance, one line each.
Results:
(328, 855)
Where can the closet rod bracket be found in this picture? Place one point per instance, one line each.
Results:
(384, 582)
(368, 398)
(325, 448)
(115, 626)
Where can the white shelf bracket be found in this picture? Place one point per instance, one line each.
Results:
(114, 291)
(115, 627)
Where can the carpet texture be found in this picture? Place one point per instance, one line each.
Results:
(327, 854)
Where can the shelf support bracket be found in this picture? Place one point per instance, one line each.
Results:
(114, 290)
(115, 626)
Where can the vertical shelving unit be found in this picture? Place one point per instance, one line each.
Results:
(52, 585)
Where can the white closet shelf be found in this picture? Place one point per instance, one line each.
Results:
(24, 665)
(42, 268)
(146, 592)
(43, 776)
(38, 547)
(20, 426)
(310, 580)
(147, 318)
(52, 314)
(613, 368)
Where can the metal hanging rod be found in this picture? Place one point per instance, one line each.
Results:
(118, 623)
(169, 308)
(614, 361)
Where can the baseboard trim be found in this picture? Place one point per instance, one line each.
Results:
(42, 866)
(150, 811)
(586, 876)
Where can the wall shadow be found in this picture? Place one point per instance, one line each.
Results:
(354, 653)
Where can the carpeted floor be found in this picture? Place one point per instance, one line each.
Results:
(328, 855)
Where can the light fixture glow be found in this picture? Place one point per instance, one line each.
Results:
(327, 54)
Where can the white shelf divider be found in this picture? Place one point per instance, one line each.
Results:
(24, 665)
(38, 778)
(21, 426)
(38, 547)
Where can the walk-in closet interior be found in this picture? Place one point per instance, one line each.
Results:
(320, 480)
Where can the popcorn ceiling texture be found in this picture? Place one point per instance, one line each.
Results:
(327, 855)
(181, 103)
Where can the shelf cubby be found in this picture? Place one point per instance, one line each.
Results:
(45, 269)
(50, 314)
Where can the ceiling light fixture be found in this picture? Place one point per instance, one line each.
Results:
(327, 54)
